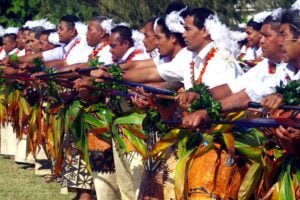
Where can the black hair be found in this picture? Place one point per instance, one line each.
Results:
(274, 22)
(37, 31)
(174, 6)
(22, 29)
(164, 28)
(125, 34)
(47, 32)
(70, 20)
(255, 25)
(292, 17)
(200, 15)
(11, 36)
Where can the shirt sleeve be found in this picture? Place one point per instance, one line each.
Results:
(170, 72)
(53, 54)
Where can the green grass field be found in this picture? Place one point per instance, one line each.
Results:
(21, 184)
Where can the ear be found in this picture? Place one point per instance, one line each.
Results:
(173, 39)
(204, 32)
(73, 31)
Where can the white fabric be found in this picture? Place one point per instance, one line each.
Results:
(73, 54)
(251, 53)
(129, 171)
(175, 69)
(2, 53)
(14, 51)
(259, 72)
(140, 56)
(21, 53)
(104, 55)
(219, 70)
(258, 82)
(106, 186)
(53, 54)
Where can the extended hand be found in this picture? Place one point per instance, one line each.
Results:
(194, 119)
(186, 98)
(289, 139)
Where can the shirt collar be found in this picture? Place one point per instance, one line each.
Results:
(202, 54)
(127, 54)
(68, 46)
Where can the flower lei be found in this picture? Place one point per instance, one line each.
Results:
(208, 57)
(75, 43)
(205, 101)
(272, 68)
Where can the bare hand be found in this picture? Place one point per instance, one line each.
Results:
(272, 102)
(101, 72)
(82, 84)
(193, 120)
(186, 98)
(289, 139)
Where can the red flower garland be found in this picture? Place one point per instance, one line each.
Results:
(208, 57)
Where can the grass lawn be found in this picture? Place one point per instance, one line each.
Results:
(21, 184)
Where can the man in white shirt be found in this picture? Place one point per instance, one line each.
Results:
(218, 70)
(256, 83)
(122, 45)
(74, 50)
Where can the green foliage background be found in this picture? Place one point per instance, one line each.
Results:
(136, 12)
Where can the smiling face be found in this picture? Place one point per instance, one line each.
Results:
(271, 43)
(253, 37)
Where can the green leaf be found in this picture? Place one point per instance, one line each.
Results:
(180, 173)
(139, 144)
(88, 118)
(287, 191)
(250, 181)
(168, 140)
(134, 118)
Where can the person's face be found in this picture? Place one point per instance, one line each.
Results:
(165, 45)
(94, 34)
(117, 48)
(150, 40)
(253, 37)
(20, 41)
(193, 37)
(8, 44)
(270, 43)
(45, 45)
(65, 33)
(291, 46)
(25, 35)
(34, 43)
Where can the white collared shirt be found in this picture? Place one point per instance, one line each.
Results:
(104, 55)
(139, 56)
(258, 82)
(251, 53)
(219, 70)
(74, 52)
